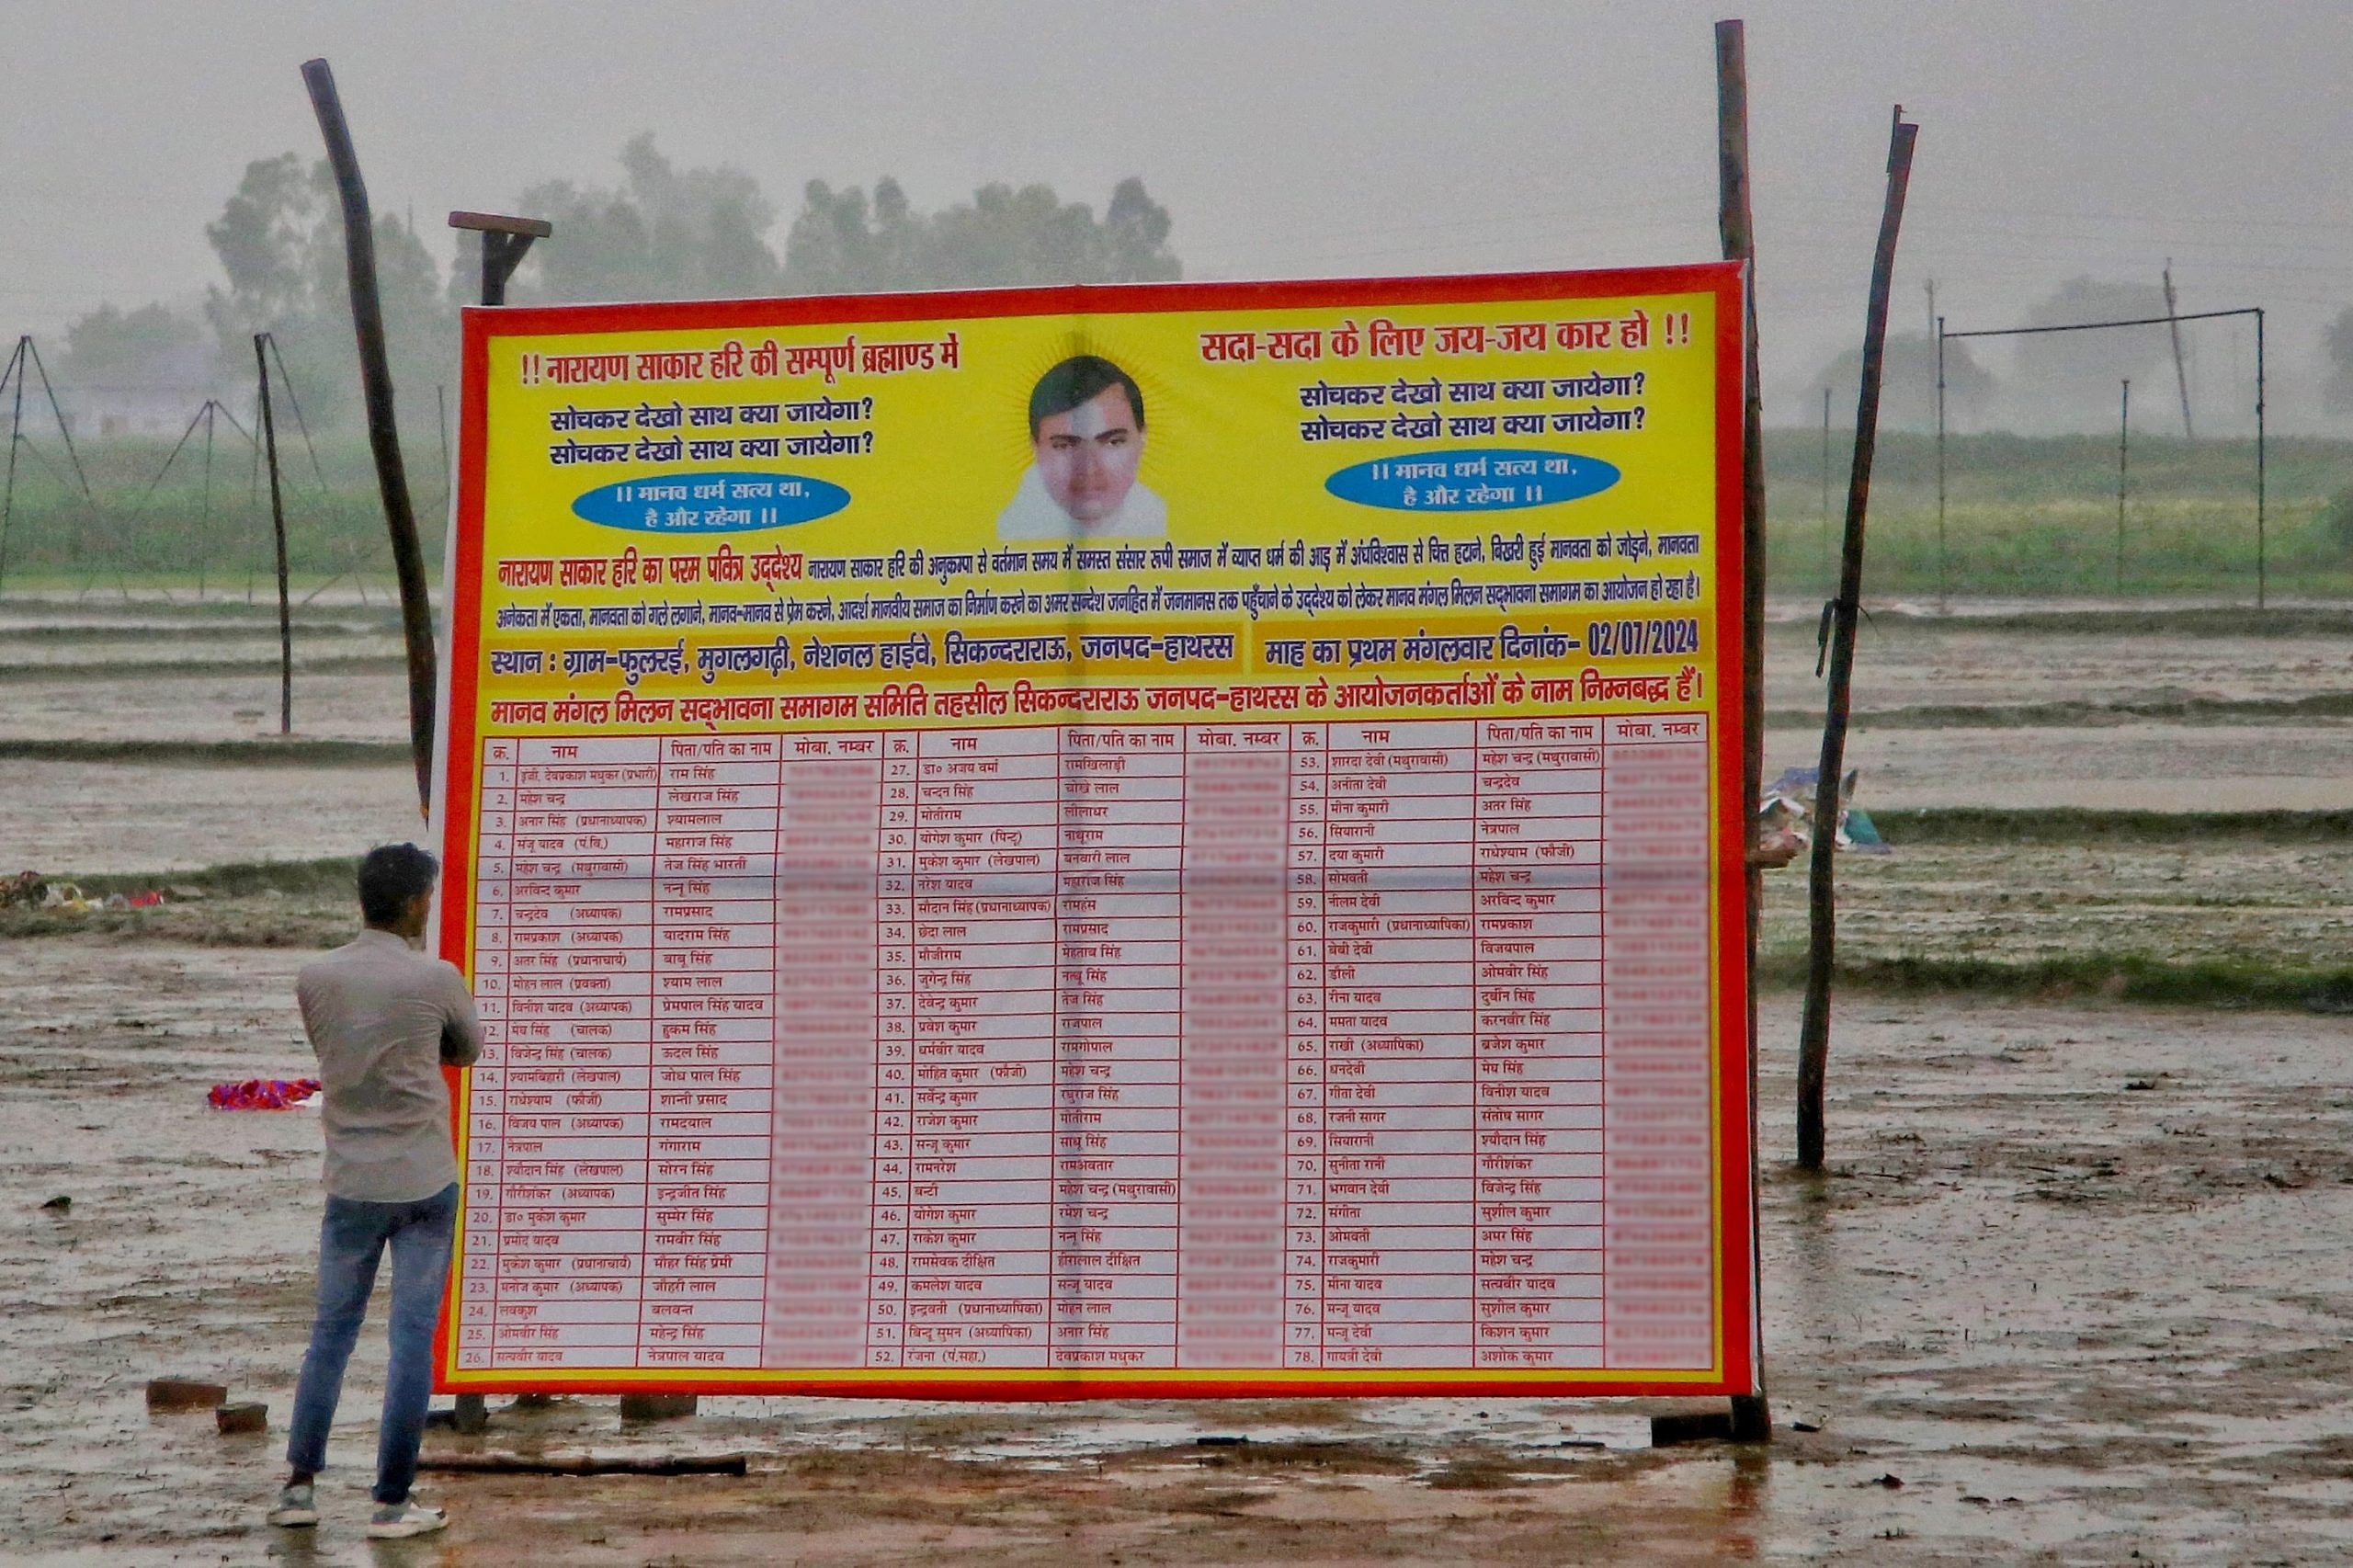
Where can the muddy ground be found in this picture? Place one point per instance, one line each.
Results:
(2180, 715)
(2076, 1281)
(2074, 1290)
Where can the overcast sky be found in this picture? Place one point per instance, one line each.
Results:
(2057, 138)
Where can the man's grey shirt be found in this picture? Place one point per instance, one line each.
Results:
(383, 1017)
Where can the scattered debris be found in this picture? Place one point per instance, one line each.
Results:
(27, 890)
(657, 1406)
(1219, 1442)
(263, 1094)
(61, 1203)
(1786, 810)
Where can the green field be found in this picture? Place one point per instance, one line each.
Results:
(130, 530)
(2025, 516)
(2028, 516)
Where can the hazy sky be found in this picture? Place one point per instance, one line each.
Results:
(2057, 138)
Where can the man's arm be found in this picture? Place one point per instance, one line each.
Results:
(461, 1029)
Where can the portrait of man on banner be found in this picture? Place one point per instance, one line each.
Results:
(1086, 436)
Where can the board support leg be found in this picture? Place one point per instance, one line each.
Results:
(473, 1414)
(1751, 1418)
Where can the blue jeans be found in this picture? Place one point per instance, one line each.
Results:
(352, 1241)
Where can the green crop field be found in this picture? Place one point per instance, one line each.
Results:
(2025, 516)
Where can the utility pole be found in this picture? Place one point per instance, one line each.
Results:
(2181, 371)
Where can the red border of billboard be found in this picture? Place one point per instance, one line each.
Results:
(1735, 1259)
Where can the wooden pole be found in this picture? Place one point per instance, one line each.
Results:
(2123, 471)
(1814, 1033)
(278, 522)
(1944, 588)
(2180, 371)
(2262, 579)
(1751, 1416)
(384, 432)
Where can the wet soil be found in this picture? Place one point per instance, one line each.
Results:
(2074, 1290)
(2075, 1280)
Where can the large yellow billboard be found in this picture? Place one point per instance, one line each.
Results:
(1042, 843)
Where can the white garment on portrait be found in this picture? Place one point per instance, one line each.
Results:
(1034, 514)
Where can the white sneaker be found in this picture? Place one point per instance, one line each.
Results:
(394, 1520)
(297, 1508)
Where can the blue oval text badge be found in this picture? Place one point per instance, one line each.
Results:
(1490, 479)
(711, 503)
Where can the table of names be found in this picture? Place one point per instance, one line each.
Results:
(1361, 1046)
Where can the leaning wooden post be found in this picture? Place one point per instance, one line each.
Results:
(277, 523)
(1751, 1416)
(1813, 1032)
(384, 432)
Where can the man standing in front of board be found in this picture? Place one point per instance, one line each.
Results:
(384, 1018)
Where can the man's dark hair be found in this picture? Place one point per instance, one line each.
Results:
(1078, 379)
(391, 875)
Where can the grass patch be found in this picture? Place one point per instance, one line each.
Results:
(2080, 827)
(334, 874)
(2233, 981)
(255, 903)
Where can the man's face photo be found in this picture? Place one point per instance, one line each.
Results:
(1088, 455)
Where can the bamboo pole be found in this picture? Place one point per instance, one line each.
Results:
(384, 432)
(1814, 1033)
(1751, 1416)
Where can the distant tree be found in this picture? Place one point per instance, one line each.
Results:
(2069, 379)
(1909, 384)
(2336, 346)
(279, 240)
(152, 345)
(665, 234)
(842, 242)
